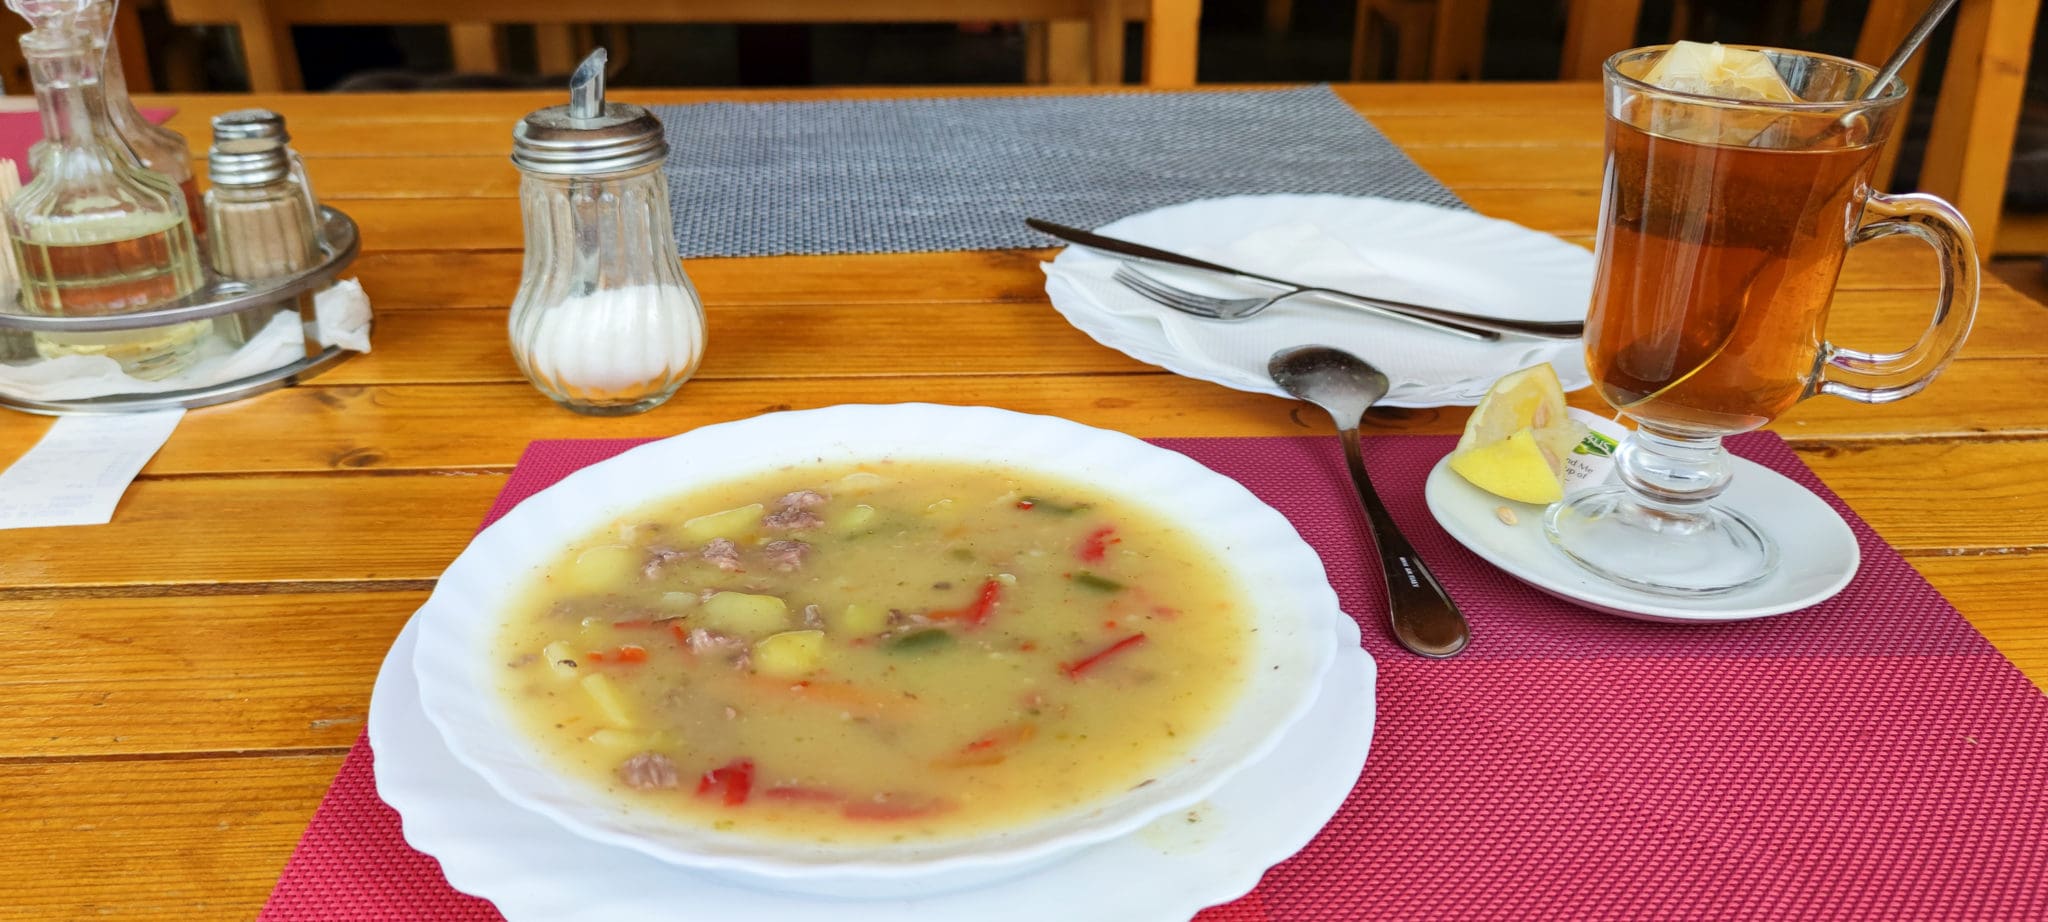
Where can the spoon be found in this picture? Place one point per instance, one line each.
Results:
(1911, 43)
(1424, 618)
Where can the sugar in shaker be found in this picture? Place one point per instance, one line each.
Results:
(605, 321)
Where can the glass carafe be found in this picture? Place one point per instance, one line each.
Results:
(95, 232)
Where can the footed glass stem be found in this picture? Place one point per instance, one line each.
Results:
(1660, 530)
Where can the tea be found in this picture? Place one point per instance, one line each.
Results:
(1716, 267)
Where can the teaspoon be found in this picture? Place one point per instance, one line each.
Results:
(1424, 618)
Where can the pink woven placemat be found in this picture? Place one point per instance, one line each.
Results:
(1873, 757)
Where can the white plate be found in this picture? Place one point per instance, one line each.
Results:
(1405, 250)
(1818, 551)
(533, 869)
(1286, 653)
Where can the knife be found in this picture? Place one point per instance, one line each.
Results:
(1095, 241)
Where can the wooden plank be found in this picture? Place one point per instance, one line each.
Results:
(1594, 30)
(158, 839)
(403, 427)
(402, 280)
(297, 532)
(1172, 37)
(795, 341)
(1106, 43)
(400, 529)
(2001, 595)
(347, 12)
(767, 341)
(183, 674)
(504, 107)
(1580, 129)
(475, 47)
(491, 278)
(1978, 114)
(1990, 500)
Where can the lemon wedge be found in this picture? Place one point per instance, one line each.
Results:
(1714, 69)
(1515, 444)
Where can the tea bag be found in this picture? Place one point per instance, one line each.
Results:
(1713, 69)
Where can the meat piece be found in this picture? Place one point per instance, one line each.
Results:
(814, 617)
(659, 558)
(648, 771)
(786, 555)
(793, 511)
(801, 499)
(736, 651)
(791, 519)
(723, 554)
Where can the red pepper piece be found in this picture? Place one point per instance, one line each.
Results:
(976, 613)
(633, 623)
(1075, 669)
(797, 793)
(992, 748)
(629, 653)
(682, 636)
(593, 657)
(1025, 504)
(732, 781)
(1097, 544)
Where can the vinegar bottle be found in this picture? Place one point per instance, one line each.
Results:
(95, 232)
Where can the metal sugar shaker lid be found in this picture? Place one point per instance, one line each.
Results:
(589, 136)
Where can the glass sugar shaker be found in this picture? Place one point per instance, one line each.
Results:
(605, 321)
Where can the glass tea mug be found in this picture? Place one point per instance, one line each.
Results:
(1724, 224)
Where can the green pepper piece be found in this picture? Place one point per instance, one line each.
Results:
(1087, 580)
(925, 641)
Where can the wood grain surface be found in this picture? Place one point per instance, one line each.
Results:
(182, 682)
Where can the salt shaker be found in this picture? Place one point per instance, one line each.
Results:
(605, 321)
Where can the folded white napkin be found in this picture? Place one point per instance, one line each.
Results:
(343, 313)
(1427, 368)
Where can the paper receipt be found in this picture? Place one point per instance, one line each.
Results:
(77, 473)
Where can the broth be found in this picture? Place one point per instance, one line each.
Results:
(893, 651)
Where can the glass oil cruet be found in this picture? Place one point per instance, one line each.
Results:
(605, 321)
(95, 232)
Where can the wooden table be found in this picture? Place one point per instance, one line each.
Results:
(180, 685)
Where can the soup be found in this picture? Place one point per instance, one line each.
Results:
(894, 651)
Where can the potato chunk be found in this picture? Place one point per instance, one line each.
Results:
(789, 654)
(608, 700)
(860, 619)
(743, 613)
(604, 568)
(854, 521)
(731, 523)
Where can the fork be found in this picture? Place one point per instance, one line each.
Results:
(1208, 307)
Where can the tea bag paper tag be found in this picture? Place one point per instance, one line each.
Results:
(1592, 460)
(77, 473)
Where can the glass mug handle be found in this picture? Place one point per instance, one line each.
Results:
(1884, 377)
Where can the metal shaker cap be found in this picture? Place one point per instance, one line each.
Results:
(248, 148)
(589, 136)
(250, 124)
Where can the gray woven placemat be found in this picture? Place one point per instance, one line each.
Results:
(911, 175)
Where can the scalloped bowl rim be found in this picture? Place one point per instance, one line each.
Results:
(1268, 560)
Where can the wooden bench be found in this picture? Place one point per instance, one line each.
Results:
(1066, 32)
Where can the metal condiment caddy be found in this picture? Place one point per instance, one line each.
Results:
(217, 297)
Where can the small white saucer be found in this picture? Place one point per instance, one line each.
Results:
(1818, 552)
